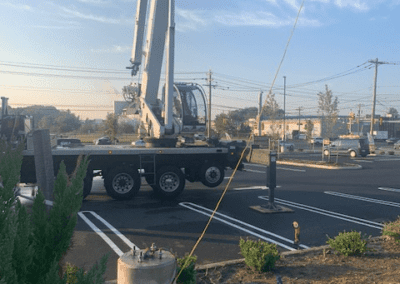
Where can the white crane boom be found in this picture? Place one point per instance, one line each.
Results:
(182, 103)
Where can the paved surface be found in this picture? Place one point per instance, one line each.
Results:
(325, 202)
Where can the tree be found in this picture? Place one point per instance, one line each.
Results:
(66, 122)
(328, 109)
(234, 121)
(111, 125)
(272, 112)
(33, 244)
(88, 126)
(309, 128)
(393, 112)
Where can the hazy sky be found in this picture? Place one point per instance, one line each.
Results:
(74, 53)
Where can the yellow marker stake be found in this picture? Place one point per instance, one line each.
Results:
(296, 233)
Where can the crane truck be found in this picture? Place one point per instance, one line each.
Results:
(181, 111)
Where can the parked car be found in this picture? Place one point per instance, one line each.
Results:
(392, 140)
(68, 142)
(289, 146)
(301, 137)
(200, 137)
(139, 143)
(317, 141)
(351, 147)
(397, 145)
(103, 141)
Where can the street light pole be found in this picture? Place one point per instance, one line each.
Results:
(284, 108)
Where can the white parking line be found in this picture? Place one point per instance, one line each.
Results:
(389, 189)
(363, 161)
(97, 230)
(289, 169)
(101, 234)
(115, 231)
(264, 166)
(328, 213)
(388, 203)
(254, 171)
(255, 165)
(384, 160)
(253, 187)
(207, 212)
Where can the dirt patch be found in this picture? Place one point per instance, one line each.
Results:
(379, 265)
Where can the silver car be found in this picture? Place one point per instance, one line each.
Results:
(351, 147)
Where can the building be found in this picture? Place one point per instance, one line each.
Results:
(295, 125)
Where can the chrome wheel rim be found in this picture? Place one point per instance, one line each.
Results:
(122, 183)
(213, 174)
(169, 182)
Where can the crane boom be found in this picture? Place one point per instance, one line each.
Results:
(182, 108)
(137, 50)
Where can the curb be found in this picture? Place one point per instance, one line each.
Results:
(348, 167)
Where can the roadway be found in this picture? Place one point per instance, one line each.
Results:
(325, 202)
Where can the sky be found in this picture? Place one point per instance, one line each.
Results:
(73, 54)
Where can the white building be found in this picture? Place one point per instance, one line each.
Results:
(298, 125)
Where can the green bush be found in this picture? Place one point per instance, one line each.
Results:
(188, 274)
(259, 255)
(348, 243)
(392, 229)
(32, 245)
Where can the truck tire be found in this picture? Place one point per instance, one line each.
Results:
(212, 174)
(87, 184)
(170, 182)
(122, 183)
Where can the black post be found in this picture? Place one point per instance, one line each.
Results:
(44, 163)
(271, 178)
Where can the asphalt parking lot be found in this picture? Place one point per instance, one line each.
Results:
(325, 202)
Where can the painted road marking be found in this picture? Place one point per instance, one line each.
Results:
(289, 169)
(101, 234)
(114, 230)
(253, 187)
(363, 161)
(263, 166)
(254, 171)
(384, 160)
(388, 203)
(98, 231)
(207, 212)
(104, 236)
(389, 189)
(328, 213)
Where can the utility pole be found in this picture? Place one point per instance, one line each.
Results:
(359, 118)
(259, 112)
(209, 104)
(284, 108)
(376, 62)
(299, 109)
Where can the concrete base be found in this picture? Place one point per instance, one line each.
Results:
(266, 209)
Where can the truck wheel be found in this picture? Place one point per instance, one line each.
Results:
(212, 174)
(353, 154)
(122, 183)
(326, 153)
(87, 184)
(170, 182)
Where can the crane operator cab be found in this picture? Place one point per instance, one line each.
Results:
(189, 108)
